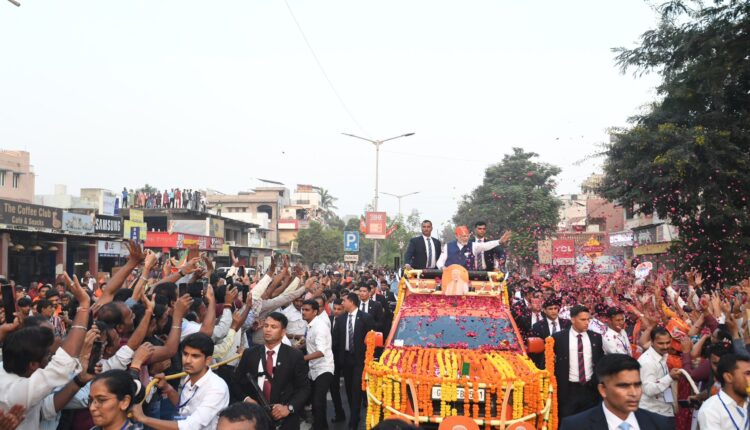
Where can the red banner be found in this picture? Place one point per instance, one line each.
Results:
(163, 239)
(563, 252)
(375, 223)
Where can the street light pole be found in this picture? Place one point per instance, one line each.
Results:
(399, 197)
(377, 144)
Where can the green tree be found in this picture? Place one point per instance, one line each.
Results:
(148, 189)
(319, 244)
(688, 157)
(516, 194)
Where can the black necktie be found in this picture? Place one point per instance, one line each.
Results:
(429, 253)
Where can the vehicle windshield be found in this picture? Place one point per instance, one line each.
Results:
(454, 323)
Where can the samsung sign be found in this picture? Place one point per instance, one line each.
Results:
(108, 225)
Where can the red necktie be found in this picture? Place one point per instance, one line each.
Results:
(269, 374)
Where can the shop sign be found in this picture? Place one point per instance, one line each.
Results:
(107, 203)
(646, 235)
(216, 227)
(653, 248)
(130, 226)
(563, 252)
(600, 264)
(108, 248)
(136, 215)
(592, 248)
(163, 239)
(28, 215)
(77, 223)
(624, 238)
(108, 225)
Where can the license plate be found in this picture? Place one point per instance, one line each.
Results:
(460, 393)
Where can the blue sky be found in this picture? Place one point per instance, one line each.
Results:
(217, 94)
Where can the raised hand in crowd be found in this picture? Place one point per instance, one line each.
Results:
(12, 419)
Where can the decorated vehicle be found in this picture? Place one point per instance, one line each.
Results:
(454, 352)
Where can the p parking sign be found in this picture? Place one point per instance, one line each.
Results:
(351, 241)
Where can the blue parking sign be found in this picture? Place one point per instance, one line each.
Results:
(351, 241)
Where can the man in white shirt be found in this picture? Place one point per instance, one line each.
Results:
(319, 358)
(728, 409)
(577, 350)
(202, 393)
(620, 388)
(615, 339)
(423, 251)
(296, 326)
(658, 396)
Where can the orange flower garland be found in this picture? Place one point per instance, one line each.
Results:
(386, 381)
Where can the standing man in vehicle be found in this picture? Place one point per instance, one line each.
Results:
(487, 260)
(423, 251)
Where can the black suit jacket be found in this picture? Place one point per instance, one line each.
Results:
(562, 358)
(363, 323)
(594, 419)
(375, 310)
(416, 252)
(524, 323)
(497, 253)
(289, 384)
(541, 329)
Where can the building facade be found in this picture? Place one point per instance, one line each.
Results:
(16, 176)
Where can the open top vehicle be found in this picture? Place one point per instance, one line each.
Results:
(451, 355)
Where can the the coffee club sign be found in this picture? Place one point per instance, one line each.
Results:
(28, 215)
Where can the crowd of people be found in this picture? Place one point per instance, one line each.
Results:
(661, 351)
(169, 198)
(687, 340)
(79, 355)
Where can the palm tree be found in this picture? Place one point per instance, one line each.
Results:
(327, 205)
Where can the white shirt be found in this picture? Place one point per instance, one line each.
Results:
(351, 318)
(713, 416)
(597, 326)
(588, 359)
(656, 382)
(476, 248)
(536, 317)
(220, 329)
(33, 392)
(613, 421)
(554, 329)
(480, 263)
(614, 342)
(121, 360)
(262, 363)
(318, 338)
(295, 325)
(429, 245)
(200, 403)
(365, 307)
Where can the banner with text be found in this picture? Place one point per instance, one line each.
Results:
(563, 252)
(375, 223)
(28, 215)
